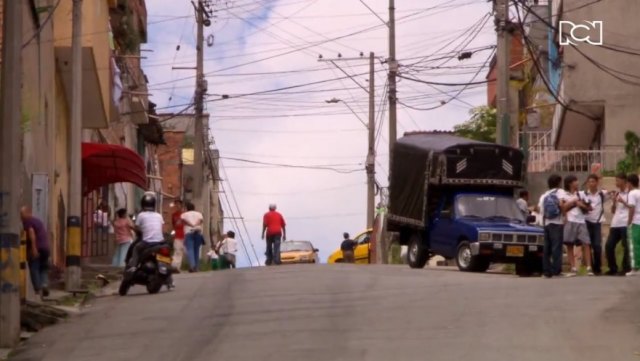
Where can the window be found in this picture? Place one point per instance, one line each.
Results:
(363, 238)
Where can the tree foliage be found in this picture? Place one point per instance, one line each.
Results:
(631, 162)
(481, 126)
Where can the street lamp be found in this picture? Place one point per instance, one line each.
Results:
(371, 159)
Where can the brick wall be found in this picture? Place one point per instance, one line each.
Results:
(517, 55)
(169, 157)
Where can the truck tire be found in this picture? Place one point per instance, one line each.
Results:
(418, 254)
(467, 262)
(528, 267)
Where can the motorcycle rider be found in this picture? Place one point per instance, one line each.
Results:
(149, 224)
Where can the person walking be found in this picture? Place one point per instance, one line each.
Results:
(38, 251)
(228, 249)
(274, 227)
(634, 223)
(575, 229)
(193, 221)
(348, 247)
(549, 208)
(123, 228)
(618, 231)
(178, 235)
(523, 203)
(595, 198)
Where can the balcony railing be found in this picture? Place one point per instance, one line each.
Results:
(573, 160)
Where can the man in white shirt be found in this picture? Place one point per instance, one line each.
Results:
(634, 223)
(523, 203)
(229, 249)
(618, 231)
(193, 221)
(595, 197)
(575, 229)
(553, 227)
(149, 224)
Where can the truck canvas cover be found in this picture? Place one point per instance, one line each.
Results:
(449, 161)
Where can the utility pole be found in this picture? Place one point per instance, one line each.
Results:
(371, 155)
(74, 233)
(10, 134)
(501, 8)
(198, 146)
(393, 89)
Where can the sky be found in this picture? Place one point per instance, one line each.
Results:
(279, 140)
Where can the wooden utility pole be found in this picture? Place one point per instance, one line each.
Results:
(501, 8)
(74, 230)
(198, 146)
(371, 154)
(10, 134)
(393, 89)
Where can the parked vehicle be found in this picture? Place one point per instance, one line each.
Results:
(454, 197)
(298, 252)
(361, 253)
(154, 270)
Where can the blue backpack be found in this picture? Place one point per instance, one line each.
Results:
(551, 206)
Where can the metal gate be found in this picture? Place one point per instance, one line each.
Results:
(95, 224)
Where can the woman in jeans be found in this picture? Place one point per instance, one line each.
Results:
(123, 228)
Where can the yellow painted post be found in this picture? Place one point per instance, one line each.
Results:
(23, 267)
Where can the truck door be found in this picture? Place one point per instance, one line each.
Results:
(442, 229)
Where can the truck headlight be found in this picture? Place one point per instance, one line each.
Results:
(483, 237)
(541, 239)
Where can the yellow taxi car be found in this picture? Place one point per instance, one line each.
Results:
(298, 252)
(361, 253)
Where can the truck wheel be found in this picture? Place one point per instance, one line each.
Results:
(469, 263)
(528, 267)
(418, 254)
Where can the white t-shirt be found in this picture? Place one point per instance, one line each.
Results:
(575, 215)
(596, 215)
(559, 194)
(229, 245)
(524, 206)
(150, 224)
(634, 201)
(193, 217)
(621, 216)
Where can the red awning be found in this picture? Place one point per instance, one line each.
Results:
(104, 164)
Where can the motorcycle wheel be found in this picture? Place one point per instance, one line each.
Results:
(155, 284)
(124, 288)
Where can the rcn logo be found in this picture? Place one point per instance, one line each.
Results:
(589, 32)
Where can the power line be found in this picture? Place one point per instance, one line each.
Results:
(328, 167)
(41, 27)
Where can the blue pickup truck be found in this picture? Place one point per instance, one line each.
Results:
(455, 197)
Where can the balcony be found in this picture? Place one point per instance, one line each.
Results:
(573, 160)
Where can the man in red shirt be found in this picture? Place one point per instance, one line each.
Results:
(178, 237)
(274, 227)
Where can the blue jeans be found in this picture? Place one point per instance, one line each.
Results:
(39, 270)
(120, 254)
(273, 250)
(552, 258)
(595, 234)
(193, 241)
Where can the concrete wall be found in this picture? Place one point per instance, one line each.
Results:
(584, 82)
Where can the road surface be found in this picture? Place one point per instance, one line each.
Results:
(348, 312)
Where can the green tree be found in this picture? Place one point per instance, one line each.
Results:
(631, 162)
(481, 126)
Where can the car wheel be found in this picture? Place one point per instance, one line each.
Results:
(469, 263)
(340, 260)
(418, 254)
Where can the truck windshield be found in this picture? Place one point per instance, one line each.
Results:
(487, 207)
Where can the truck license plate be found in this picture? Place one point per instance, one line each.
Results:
(515, 251)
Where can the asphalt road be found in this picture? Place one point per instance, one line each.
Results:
(347, 312)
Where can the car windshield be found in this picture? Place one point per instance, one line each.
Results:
(293, 246)
(488, 207)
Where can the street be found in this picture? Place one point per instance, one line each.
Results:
(346, 312)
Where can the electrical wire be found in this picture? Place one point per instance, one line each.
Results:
(41, 27)
(328, 167)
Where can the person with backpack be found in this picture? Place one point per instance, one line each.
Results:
(618, 231)
(575, 208)
(549, 207)
(595, 198)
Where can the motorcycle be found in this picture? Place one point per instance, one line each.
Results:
(154, 270)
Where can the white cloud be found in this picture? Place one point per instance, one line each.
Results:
(255, 127)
